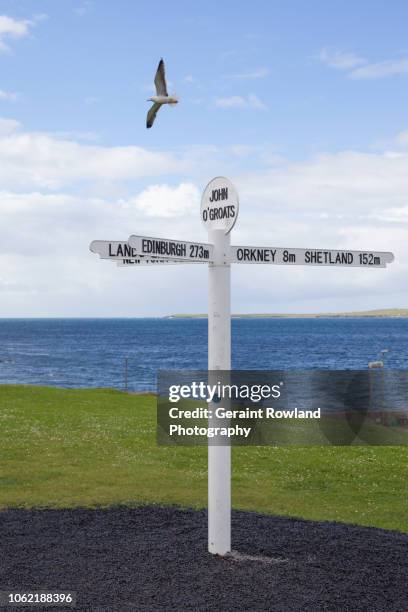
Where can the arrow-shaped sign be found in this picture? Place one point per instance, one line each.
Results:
(309, 257)
(112, 249)
(172, 249)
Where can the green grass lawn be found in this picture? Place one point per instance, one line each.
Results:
(64, 448)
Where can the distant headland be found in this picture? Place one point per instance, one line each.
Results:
(385, 312)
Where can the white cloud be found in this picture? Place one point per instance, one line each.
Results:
(167, 202)
(242, 150)
(38, 18)
(401, 139)
(381, 69)
(91, 100)
(40, 160)
(8, 95)
(230, 102)
(12, 29)
(346, 200)
(393, 145)
(258, 73)
(360, 68)
(349, 200)
(342, 60)
(250, 101)
(83, 8)
(348, 185)
(8, 126)
(46, 265)
(255, 102)
(53, 226)
(75, 135)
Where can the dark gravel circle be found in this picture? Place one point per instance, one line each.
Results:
(153, 558)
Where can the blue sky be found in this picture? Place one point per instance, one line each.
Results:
(302, 104)
(87, 66)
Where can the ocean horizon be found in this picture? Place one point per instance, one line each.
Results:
(92, 352)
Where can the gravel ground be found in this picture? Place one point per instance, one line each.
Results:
(153, 558)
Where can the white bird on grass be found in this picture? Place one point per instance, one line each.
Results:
(161, 97)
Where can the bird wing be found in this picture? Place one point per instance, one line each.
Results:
(160, 80)
(151, 115)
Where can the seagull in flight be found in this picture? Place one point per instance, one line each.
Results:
(161, 97)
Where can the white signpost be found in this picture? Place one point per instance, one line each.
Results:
(219, 212)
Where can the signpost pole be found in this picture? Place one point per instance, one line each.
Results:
(219, 358)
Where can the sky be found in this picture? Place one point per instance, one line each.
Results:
(303, 105)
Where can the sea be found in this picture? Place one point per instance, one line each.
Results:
(119, 352)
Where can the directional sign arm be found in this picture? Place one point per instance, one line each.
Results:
(171, 249)
(121, 251)
(112, 249)
(310, 257)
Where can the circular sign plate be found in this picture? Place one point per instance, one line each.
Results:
(219, 205)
